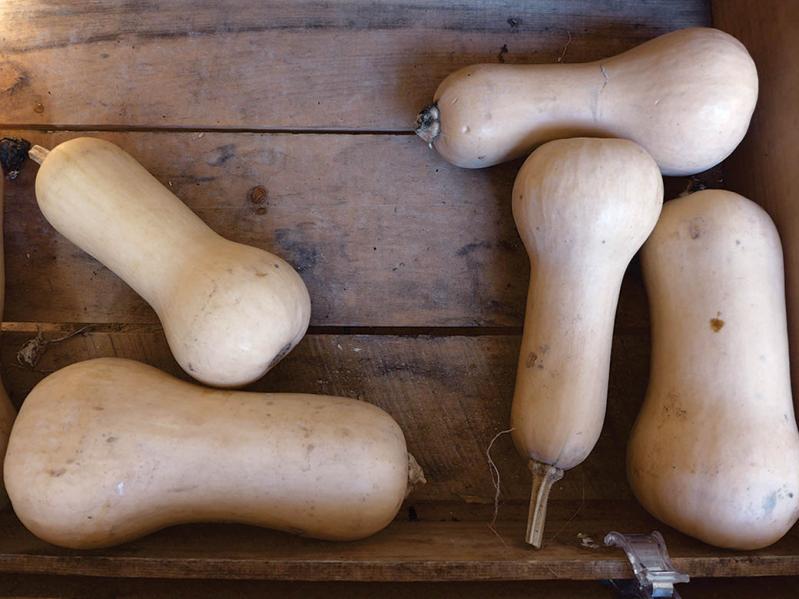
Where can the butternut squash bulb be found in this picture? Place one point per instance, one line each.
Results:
(687, 97)
(7, 415)
(108, 450)
(583, 207)
(229, 311)
(715, 449)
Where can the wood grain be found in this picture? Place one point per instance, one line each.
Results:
(75, 587)
(763, 168)
(405, 551)
(382, 230)
(450, 395)
(303, 65)
(389, 238)
(66, 587)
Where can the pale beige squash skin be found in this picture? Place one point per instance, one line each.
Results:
(7, 410)
(108, 450)
(687, 97)
(7, 415)
(583, 207)
(715, 450)
(229, 311)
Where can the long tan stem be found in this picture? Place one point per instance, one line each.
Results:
(544, 476)
(38, 154)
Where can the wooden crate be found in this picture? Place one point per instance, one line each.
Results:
(415, 269)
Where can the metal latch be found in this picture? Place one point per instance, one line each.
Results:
(655, 575)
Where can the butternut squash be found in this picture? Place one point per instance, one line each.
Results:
(108, 450)
(583, 207)
(7, 410)
(229, 311)
(687, 97)
(715, 449)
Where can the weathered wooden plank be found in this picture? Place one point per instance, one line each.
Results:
(65, 587)
(763, 168)
(405, 551)
(383, 231)
(249, 64)
(451, 396)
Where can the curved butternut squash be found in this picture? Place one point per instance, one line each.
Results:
(687, 97)
(108, 450)
(715, 450)
(229, 311)
(583, 207)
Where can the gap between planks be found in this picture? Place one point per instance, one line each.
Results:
(381, 331)
(114, 327)
(68, 128)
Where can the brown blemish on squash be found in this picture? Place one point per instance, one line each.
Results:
(716, 324)
(672, 407)
(531, 359)
(182, 489)
(56, 472)
(696, 227)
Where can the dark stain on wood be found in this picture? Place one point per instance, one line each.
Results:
(502, 52)
(222, 154)
(469, 248)
(301, 255)
(12, 78)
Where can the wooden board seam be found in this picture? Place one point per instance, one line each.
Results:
(74, 128)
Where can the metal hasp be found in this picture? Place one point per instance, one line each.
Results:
(655, 575)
